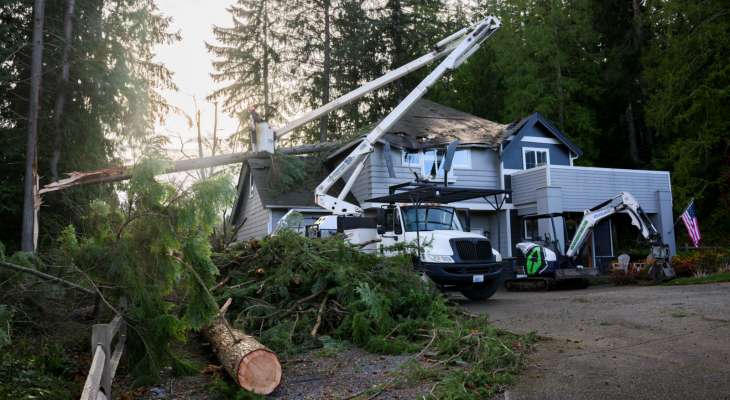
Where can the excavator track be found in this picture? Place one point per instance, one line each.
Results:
(530, 284)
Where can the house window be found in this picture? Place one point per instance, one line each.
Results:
(251, 187)
(533, 158)
(531, 229)
(430, 162)
(411, 158)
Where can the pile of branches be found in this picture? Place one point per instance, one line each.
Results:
(296, 294)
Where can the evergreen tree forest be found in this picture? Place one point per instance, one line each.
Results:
(637, 84)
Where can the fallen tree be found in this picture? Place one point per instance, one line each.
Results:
(252, 365)
(298, 294)
(121, 173)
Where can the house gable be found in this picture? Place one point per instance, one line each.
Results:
(536, 132)
(249, 212)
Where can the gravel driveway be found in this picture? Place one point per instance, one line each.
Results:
(666, 342)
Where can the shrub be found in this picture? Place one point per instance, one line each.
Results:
(707, 261)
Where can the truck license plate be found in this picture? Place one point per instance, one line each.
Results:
(477, 278)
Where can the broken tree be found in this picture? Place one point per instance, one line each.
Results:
(253, 366)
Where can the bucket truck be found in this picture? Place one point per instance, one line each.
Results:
(449, 254)
(543, 265)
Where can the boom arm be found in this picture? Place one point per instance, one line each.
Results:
(355, 161)
(627, 205)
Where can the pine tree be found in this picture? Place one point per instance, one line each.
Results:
(548, 54)
(311, 29)
(687, 72)
(112, 96)
(251, 58)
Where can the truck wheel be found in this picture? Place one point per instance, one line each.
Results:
(482, 293)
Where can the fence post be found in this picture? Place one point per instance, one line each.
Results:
(100, 336)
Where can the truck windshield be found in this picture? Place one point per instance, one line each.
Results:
(430, 219)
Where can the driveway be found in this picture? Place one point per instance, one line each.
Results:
(657, 342)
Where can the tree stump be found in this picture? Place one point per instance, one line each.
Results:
(253, 366)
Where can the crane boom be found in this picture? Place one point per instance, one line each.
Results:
(355, 161)
(440, 50)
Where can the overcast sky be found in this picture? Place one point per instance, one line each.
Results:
(191, 64)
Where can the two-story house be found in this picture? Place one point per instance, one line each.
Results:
(532, 158)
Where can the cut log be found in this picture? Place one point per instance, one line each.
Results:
(250, 364)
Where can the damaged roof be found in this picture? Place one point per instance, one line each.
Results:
(428, 124)
(300, 195)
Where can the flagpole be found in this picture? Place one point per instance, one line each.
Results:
(683, 211)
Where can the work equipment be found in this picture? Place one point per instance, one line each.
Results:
(543, 264)
(451, 256)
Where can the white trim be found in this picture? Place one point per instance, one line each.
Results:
(537, 150)
(508, 217)
(251, 187)
(538, 139)
(510, 171)
(638, 171)
(270, 223)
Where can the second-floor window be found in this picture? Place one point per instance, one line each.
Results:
(431, 162)
(533, 158)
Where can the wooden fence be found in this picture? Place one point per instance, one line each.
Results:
(105, 361)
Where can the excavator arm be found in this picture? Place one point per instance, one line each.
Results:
(624, 203)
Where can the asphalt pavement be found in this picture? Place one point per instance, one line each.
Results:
(636, 342)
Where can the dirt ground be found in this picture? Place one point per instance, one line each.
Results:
(657, 342)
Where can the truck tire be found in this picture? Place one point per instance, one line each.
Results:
(482, 293)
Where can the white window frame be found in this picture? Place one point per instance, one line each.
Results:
(407, 164)
(421, 160)
(524, 229)
(525, 150)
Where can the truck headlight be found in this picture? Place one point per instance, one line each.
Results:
(437, 259)
(497, 256)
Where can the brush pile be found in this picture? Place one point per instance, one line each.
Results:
(296, 294)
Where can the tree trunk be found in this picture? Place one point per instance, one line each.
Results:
(326, 71)
(250, 364)
(265, 71)
(201, 172)
(62, 87)
(397, 37)
(632, 136)
(215, 135)
(121, 173)
(31, 198)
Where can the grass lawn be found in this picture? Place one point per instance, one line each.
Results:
(714, 278)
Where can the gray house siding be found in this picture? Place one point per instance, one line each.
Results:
(524, 185)
(584, 187)
(512, 155)
(484, 172)
(257, 218)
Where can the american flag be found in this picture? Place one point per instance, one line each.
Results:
(689, 217)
